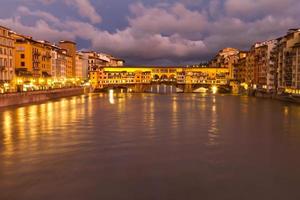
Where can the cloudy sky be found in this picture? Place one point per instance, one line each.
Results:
(153, 31)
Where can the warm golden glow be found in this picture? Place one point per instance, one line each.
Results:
(214, 89)
(111, 96)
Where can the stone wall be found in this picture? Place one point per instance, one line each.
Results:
(37, 96)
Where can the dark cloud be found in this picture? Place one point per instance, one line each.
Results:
(172, 32)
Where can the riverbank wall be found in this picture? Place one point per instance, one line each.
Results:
(14, 99)
(280, 97)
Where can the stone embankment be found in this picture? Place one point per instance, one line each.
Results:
(13, 99)
(281, 97)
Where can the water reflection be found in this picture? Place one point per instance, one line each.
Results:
(22, 128)
(96, 144)
(111, 97)
(175, 120)
(7, 133)
(213, 132)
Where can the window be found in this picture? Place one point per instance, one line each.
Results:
(22, 64)
(22, 56)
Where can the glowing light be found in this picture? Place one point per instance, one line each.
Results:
(245, 85)
(286, 111)
(201, 90)
(6, 85)
(20, 81)
(111, 97)
(214, 89)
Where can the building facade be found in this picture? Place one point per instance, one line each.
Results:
(33, 66)
(286, 58)
(7, 64)
(264, 71)
(296, 69)
(227, 58)
(81, 67)
(109, 76)
(240, 67)
(71, 49)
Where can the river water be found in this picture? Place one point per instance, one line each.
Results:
(149, 147)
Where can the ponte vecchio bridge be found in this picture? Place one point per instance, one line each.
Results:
(141, 79)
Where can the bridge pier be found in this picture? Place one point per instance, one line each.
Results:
(188, 88)
(139, 88)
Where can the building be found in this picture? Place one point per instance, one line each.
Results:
(7, 64)
(62, 62)
(240, 67)
(101, 60)
(69, 66)
(59, 66)
(286, 58)
(54, 62)
(33, 65)
(264, 69)
(27, 64)
(103, 77)
(81, 67)
(94, 60)
(115, 76)
(251, 77)
(115, 62)
(71, 49)
(226, 58)
(296, 69)
(32, 58)
(110, 61)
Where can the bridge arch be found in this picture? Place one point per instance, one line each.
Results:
(156, 77)
(172, 78)
(164, 77)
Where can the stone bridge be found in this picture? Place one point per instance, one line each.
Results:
(167, 87)
(148, 79)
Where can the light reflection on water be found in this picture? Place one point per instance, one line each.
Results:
(148, 146)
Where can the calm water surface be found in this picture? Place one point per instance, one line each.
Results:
(149, 147)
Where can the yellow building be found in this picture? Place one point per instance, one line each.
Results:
(32, 61)
(209, 76)
(69, 66)
(71, 49)
(110, 76)
(6, 60)
(32, 57)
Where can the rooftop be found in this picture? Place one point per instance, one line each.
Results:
(3, 27)
(67, 41)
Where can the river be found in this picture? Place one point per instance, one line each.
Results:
(151, 147)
